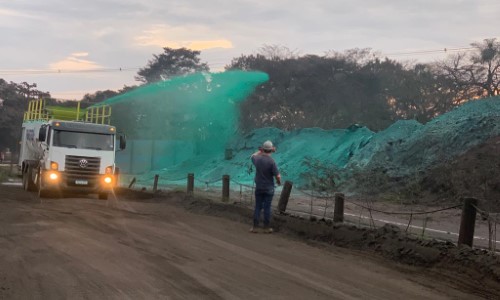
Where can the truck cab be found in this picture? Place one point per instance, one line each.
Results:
(60, 155)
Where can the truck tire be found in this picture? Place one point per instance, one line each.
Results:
(28, 182)
(103, 196)
(25, 180)
(42, 192)
(30, 177)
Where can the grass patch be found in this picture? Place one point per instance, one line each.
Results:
(4, 173)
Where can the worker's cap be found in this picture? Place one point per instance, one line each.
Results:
(268, 145)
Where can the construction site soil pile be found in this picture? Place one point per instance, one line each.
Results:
(399, 160)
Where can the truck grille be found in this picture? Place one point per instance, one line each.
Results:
(74, 171)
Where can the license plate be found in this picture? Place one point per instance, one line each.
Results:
(81, 182)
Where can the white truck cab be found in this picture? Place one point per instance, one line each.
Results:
(58, 155)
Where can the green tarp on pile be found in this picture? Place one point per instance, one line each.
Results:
(403, 149)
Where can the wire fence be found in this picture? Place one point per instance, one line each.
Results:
(325, 202)
(209, 184)
(361, 213)
(492, 219)
(245, 192)
(417, 221)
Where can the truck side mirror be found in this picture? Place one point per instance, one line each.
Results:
(123, 142)
(42, 134)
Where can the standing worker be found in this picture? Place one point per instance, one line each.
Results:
(265, 173)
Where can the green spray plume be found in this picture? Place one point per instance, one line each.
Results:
(232, 85)
(199, 110)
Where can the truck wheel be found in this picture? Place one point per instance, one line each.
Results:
(30, 183)
(42, 193)
(103, 196)
(25, 181)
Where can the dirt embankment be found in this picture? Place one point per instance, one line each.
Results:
(475, 173)
(477, 271)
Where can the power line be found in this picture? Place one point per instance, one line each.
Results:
(76, 71)
(444, 50)
(129, 69)
(62, 71)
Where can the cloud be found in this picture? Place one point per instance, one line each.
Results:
(203, 45)
(104, 32)
(174, 37)
(80, 54)
(75, 62)
(15, 13)
(125, 33)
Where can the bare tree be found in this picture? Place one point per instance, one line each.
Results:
(361, 56)
(477, 73)
(278, 52)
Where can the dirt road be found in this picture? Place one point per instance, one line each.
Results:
(120, 249)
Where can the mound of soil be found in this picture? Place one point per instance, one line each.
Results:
(475, 173)
(440, 158)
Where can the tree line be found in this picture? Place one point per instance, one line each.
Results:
(334, 90)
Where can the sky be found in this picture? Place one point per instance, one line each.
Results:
(54, 42)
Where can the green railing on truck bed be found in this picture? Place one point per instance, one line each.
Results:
(37, 111)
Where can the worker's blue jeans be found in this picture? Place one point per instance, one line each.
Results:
(263, 201)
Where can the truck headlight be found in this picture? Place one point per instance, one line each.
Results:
(108, 179)
(53, 176)
(54, 165)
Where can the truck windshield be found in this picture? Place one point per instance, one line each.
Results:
(83, 140)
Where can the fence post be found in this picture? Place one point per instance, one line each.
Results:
(225, 188)
(467, 223)
(132, 183)
(285, 195)
(190, 184)
(155, 184)
(338, 211)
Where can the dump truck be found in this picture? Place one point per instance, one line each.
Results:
(68, 150)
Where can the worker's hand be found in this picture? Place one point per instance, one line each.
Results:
(278, 181)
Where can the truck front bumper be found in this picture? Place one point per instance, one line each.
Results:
(80, 183)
